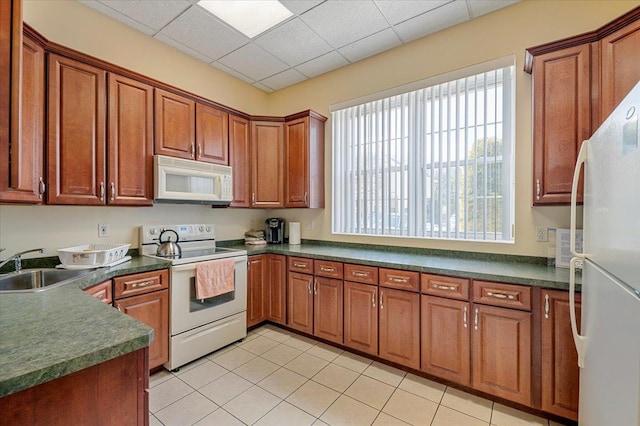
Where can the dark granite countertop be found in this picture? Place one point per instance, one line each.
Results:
(48, 334)
(491, 267)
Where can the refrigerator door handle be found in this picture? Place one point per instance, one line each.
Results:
(580, 341)
(582, 156)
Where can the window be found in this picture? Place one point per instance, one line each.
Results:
(436, 162)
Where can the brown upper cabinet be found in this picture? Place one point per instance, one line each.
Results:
(267, 155)
(175, 125)
(577, 82)
(304, 160)
(240, 160)
(212, 135)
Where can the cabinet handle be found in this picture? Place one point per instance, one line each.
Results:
(546, 306)
(325, 269)
(253, 198)
(101, 191)
(464, 318)
(193, 151)
(118, 306)
(248, 265)
(501, 295)
(315, 287)
(444, 287)
(537, 189)
(373, 298)
(381, 299)
(199, 150)
(306, 198)
(299, 265)
(142, 284)
(359, 274)
(475, 320)
(399, 279)
(113, 191)
(42, 187)
(309, 287)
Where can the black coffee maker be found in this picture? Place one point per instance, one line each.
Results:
(275, 230)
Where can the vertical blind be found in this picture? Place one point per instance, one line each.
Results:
(434, 162)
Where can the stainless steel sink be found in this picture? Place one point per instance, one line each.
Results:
(29, 280)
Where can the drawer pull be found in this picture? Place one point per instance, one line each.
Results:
(399, 279)
(501, 295)
(300, 265)
(142, 284)
(326, 269)
(444, 287)
(359, 274)
(464, 318)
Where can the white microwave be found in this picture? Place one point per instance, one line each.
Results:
(187, 181)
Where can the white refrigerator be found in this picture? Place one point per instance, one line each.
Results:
(609, 341)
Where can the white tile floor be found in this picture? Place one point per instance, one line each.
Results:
(278, 378)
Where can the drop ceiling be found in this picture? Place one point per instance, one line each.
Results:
(322, 35)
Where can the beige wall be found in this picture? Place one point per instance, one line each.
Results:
(506, 32)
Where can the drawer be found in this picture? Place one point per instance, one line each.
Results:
(326, 268)
(402, 280)
(146, 282)
(301, 264)
(438, 285)
(499, 294)
(361, 273)
(102, 291)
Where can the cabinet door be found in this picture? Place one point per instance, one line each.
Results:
(175, 120)
(153, 310)
(102, 291)
(277, 298)
(23, 182)
(619, 66)
(562, 120)
(501, 341)
(240, 160)
(445, 339)
(296, 191)
(267, 154)
(361, 317)
(327, 309)
(300, 302)
(560, 372)
(130, 142)
(76, 133)
(256, 293)
(212, 135)
(400, 327)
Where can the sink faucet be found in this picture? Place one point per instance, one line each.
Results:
(17, 258)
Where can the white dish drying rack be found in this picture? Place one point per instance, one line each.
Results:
(93, 255)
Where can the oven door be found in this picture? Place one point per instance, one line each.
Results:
(187, 312)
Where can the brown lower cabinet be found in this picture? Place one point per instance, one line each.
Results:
(399, 327)
(276, 308)
(361, 317)
(327, 309)
(114, 392)
(266, 289)
(256, 289)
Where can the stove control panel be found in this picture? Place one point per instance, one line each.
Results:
(190, 232)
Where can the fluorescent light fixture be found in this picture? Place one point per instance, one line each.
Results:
(250, 17)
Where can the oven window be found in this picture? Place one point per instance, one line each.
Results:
(196, 305)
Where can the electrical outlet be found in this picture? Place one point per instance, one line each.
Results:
(541, 234)
(103, 230)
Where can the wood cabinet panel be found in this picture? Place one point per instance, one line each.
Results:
(256, 292)
(445, 339)
(361, 317)
(300, 302)
(22, 163)
(401, 280)
(500, 294)
(560, 372)
(267, 158)
(449, 287)
(399, 339)
(76, 132)
(297, 163)
(326, 268)
(301, 264)
(240, 160)
(212, 135)
(327, 309)
(277, 288)
(145, 282)
(360, 273)
(501, 361)
(562, 120)
(102, 291)
(175, 132)
(130, 142)
(153, 310)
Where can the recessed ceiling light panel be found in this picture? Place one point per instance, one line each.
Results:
(250, 17)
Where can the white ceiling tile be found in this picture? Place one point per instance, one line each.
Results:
(293, 42)
(254, 62)
(153, 14)
(233, 72)
(482, 7)
(324, 63)
(298, 7)
(283, 79)
(118, 16)
(199, 30)
(342, 22)
(379, 42)
(262, 87)
(446, 16)
(397, 11)
(182, 47)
